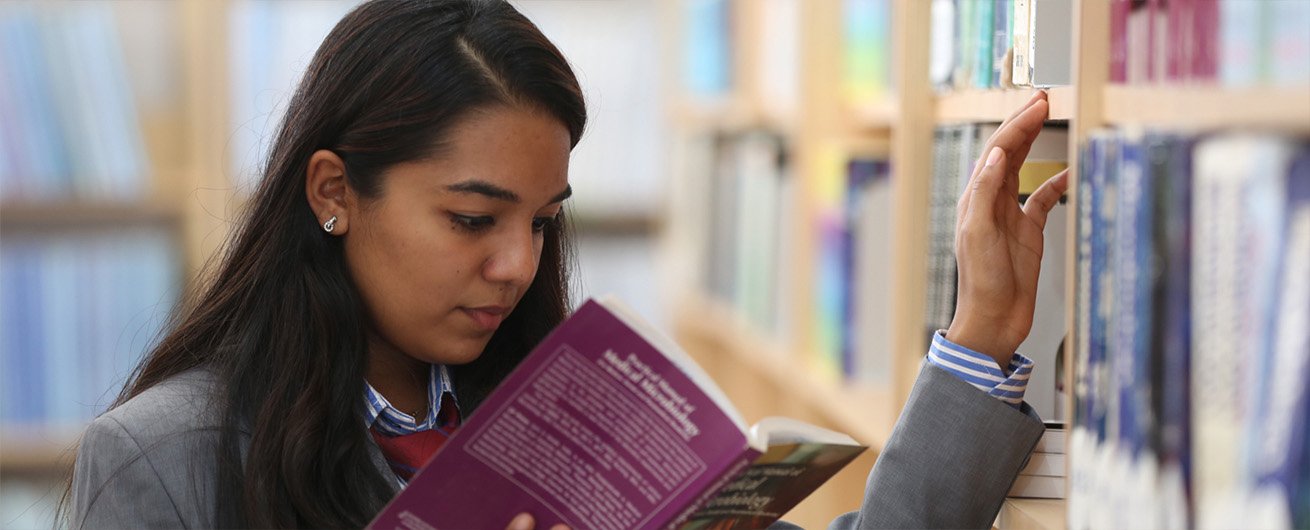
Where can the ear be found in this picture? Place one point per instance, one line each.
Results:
(328, 191)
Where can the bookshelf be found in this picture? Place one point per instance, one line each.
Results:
(165, 72)
(1205, 108)
(902, 125)
(996, 105)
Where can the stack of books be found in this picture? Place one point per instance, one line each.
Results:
(1043, 477)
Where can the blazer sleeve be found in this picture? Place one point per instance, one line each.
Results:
(950, 460)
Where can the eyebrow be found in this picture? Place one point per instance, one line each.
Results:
(493, 191)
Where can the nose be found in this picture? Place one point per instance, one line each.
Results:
(514, 261)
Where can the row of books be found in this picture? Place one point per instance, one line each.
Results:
(956, 150)
(78, 312)
(1193, 316)
(714, 28)
(854, 270)
(985, 44)
(1232, 42)
(1043, 477)
(749, 199)
(70, 124)
(747, 224)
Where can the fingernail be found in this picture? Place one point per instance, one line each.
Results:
(993, 156)
(521, 521)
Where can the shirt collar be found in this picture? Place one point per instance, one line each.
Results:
(387, 419)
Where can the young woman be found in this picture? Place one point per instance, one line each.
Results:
(406, 248)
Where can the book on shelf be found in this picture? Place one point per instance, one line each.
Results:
(1043, 42)
(71, 122)
(608, 424)
(1231, 42)
(867, 348)
(78, 311)
(984, 44)
(1193, 303)
(707, 51)
(744, 191)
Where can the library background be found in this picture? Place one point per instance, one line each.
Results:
(772, 181)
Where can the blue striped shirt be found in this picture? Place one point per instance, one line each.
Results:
(982, 371)
(389, 420)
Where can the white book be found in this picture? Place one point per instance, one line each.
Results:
(1050, 42)
(1044, 465)
(1033, 487)
(1051, 442)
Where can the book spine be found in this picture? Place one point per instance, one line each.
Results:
(1021, 64)
(1289, 46)
(1002, 39)
(964, 41)
(984, 18)
(1204, 41)
(1119, 40)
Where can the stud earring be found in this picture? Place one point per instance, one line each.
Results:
(330, 224)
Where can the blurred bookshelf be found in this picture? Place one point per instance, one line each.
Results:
(1138, 66)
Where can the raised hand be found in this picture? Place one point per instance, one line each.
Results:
(998, 244)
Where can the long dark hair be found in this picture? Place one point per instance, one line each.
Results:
(282, 325)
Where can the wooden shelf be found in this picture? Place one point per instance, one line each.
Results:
(873, 116)
(629, 223)
(73, 214)
(1201, 108)
(1033, 514)
(42, 451)
(866, 413)
(997, 105)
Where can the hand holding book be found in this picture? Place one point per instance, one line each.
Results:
(998, 243)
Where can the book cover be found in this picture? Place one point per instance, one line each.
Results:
(604, 425)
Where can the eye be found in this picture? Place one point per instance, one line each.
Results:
(472, 223)
(539, 224)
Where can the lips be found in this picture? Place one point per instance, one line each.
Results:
(487, 318)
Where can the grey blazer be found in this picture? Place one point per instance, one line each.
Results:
(949, 462)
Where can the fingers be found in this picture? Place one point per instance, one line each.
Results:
(1015, 136)
(985, 188)
(1047, 195)
(521, 521)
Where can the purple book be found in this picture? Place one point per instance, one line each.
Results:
(609, 425)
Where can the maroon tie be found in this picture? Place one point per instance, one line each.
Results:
(407, 453)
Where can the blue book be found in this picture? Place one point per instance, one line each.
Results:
(1100, 300)
(41, 157)
(1172, 301)
(24, 353)
(1280, 452)
(1132, 258)
(707, 53)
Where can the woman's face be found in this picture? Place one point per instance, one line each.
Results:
(444, 253)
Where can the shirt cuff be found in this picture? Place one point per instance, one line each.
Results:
(981, 371)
